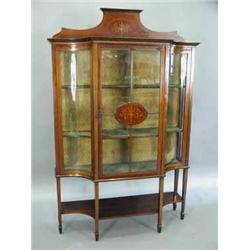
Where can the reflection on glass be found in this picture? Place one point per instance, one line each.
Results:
(75, 64)
(183, 73)
(76, 73)
(73, 76)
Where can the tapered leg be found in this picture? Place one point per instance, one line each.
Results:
(161, 197)
(96, 211)
(176, 179)
(184, 191)
(58, 189)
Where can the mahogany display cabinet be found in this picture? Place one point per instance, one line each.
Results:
(122, 111)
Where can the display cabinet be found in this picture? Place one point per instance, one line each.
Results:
(122, 109)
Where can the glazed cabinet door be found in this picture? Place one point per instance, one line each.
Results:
(130, 86)
(179, 106)
(73, 109)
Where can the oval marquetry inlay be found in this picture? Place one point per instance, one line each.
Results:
(131, 113)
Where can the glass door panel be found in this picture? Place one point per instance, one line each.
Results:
(115, 68)
(115, 156)
(144, 158)
(176, 108)
(146, 68)
(75, 78)
(130, 110)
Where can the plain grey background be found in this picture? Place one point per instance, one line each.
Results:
(196, 22)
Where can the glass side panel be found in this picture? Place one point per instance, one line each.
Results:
(77, 153)
(178, 67)
(175, 68)
(173, 107)
(75, 76)
(171, 152)
(176, 95)
(76, 110)
(130, 90)
(75, 67)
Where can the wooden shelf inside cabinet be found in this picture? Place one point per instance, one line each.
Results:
(119, 207)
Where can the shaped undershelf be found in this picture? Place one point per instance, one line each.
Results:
(119, 207)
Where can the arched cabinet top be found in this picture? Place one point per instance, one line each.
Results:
(118, 24)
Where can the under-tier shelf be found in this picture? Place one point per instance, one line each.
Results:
(121, 133)
(120, 207)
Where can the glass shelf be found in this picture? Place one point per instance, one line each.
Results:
(79, 167)
(126, 86)
(121, 133)
(125, 133)
(77, 133)
(80, 86)
(176, 86)
(174, 129)
(171, 161)
(117, 86)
